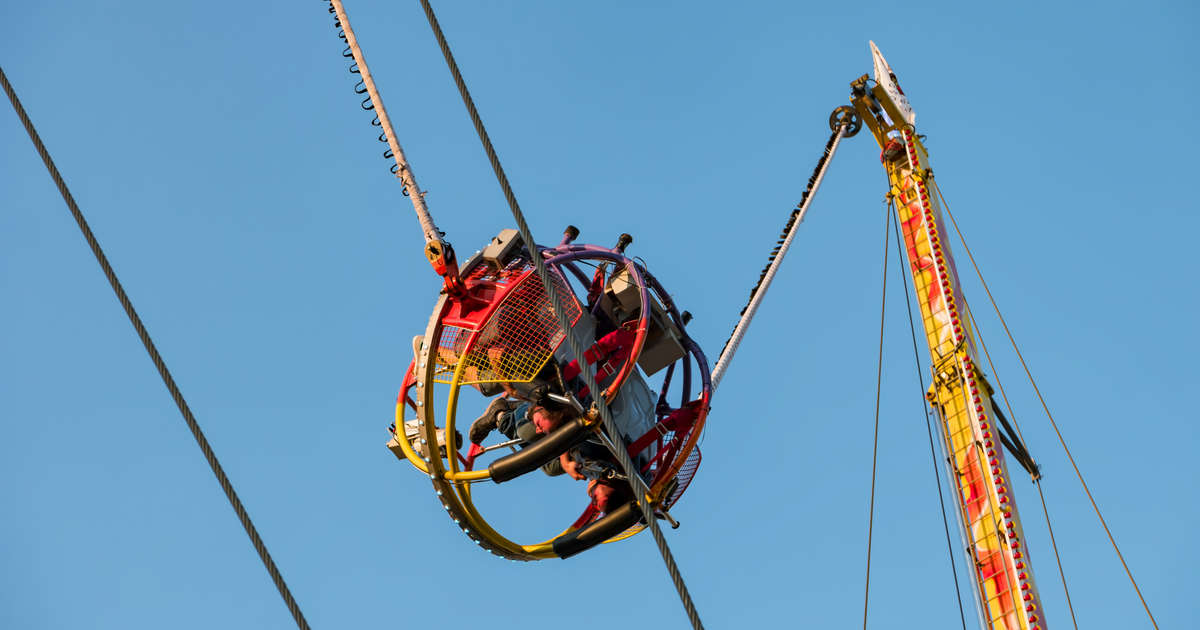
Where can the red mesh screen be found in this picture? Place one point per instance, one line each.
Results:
(517, 339)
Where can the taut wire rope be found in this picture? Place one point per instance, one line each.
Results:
(776, 258)
(1045, 407)
(887, 224)
(176, 395)
(1037, 479)
(627, 465)
(912, 328)
(1063, 576)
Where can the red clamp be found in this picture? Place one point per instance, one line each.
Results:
(475, 451)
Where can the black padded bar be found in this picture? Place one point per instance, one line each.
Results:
(540, 452)
(589, 536)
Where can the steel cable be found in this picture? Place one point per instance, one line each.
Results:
(1057, 558)
(622, 456)
(1037, 479)
(912, 327)
(887, 224)
(1046, 408)
(176, 395)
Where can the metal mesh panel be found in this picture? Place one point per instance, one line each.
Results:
(450, 347)
(686, 473)
(514, 343)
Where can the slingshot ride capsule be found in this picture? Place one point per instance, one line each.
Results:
(501, 337)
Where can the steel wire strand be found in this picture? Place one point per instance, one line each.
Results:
(1057, 558)
(1046, 407)
(1037, 480)
(622, 456)
(176, 395)
(878, 387)
(912, 327)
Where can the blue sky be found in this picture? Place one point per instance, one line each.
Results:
(223, 162)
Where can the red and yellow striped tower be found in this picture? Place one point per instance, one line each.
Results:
(960, 394)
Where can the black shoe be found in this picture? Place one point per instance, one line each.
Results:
(486, 423)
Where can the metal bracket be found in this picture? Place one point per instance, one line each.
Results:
(845, 116)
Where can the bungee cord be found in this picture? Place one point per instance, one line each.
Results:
(374, 102)
(437, 250)
(844, 128)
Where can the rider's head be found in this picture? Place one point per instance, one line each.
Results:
(544, 419)
(608, 495)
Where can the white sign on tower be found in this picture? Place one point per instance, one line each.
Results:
(887, 80)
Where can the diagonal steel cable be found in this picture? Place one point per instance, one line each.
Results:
(176, 395)
(1046, 408)
(1037, 479)
(627, 465)
(887, 224)
(912, 329)
(1054, 545)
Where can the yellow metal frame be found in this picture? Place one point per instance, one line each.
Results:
(451, 484)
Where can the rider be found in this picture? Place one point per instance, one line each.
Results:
(525, 421)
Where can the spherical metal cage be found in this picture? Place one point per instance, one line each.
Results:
(502, 330)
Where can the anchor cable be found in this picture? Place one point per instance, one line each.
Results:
(912, 327)
(1028, 462)
(627, 465)
(878, 387)
(1046, 408)
(176, 395)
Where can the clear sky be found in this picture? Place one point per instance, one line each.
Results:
(221, 156)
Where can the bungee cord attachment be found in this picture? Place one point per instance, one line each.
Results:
(438, 250)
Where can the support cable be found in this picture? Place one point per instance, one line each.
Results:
(878, 387)
(1046, 407)
(912, 327)
(1057, 558)
(776, 257)
(1037, 478)
(627, 465)
(205, 447)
